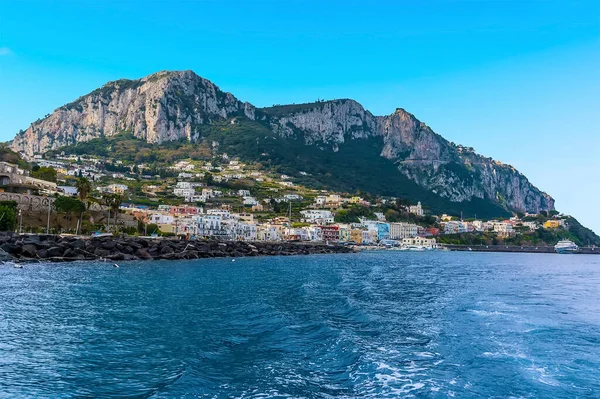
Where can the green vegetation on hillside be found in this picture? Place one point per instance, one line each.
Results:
(8, 155)
(44, 173)
(356, 167)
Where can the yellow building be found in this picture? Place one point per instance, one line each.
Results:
(552, 224)
(356, 235)
(166, 228)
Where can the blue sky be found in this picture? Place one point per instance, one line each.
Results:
(517, 80)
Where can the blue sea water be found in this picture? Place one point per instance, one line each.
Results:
(368, 325)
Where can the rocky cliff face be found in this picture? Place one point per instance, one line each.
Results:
(161, 107)
(453, 172)
(169, 106)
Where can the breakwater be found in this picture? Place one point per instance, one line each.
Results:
(540, 249)
(60, 248)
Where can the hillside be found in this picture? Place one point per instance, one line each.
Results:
(336, 144)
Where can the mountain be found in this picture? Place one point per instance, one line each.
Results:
(337, 144)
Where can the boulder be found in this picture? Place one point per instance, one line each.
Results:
(80, 244)
(42, 253)
(103, 253)
(110, 244)
(9, 248)
(143, 254)
(29, 250)
(166, 250)
(55, 252)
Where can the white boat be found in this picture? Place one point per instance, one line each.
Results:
(98, 234)
(415, 248)
(566, 247)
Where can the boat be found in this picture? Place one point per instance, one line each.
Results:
(416, 248)
(566, 247)
(97, 234)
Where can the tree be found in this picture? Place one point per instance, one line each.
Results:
(208, 178)
(392, 215)
(8, 217)
(68, 206)
(47, 173)
(113, 201)
(84, 187)
(152, 228)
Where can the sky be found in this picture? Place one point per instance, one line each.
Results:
(517, 80)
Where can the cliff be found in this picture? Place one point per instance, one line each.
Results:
(170, 106)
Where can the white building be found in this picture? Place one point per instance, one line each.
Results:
(210, 226)
(416, 209)
(403, 230)
(531, 225)
(420, 242)
(184, 192)
(317, 216)
(222, 213)
(250, 201)
(504, 229)
(159, 218)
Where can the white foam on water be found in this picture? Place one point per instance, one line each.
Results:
(425, 354)
(487, 313)
(543, 375)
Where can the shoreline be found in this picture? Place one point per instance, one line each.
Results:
(540, 249)
(54, 248)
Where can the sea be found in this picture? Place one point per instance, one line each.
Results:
(376, 324)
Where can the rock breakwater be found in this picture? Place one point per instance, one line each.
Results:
(59, 248)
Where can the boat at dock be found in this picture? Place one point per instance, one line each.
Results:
(566, 247)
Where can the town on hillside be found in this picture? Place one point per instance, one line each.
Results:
(227, 199)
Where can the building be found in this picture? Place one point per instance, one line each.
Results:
(320, 200)
(416, 209)
(317, 216)
(113, 189)
(11, 174)
(210, 226)
(531, 225)
(330, 233)
(369, 237)
(159, 218)
(552, 224)
(250, 201)
(383, 231)
(356, 235)
(455, 227)
(267, 232)
(420, 242)
(402, 230)
(504, 229)
(222, 213)
(185, 210)
(69, 191)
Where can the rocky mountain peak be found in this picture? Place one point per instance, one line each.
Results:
(174, 105)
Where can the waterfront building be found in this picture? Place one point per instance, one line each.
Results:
(330, 233)
(402, 230)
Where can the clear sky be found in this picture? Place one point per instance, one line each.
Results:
(517, 80)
